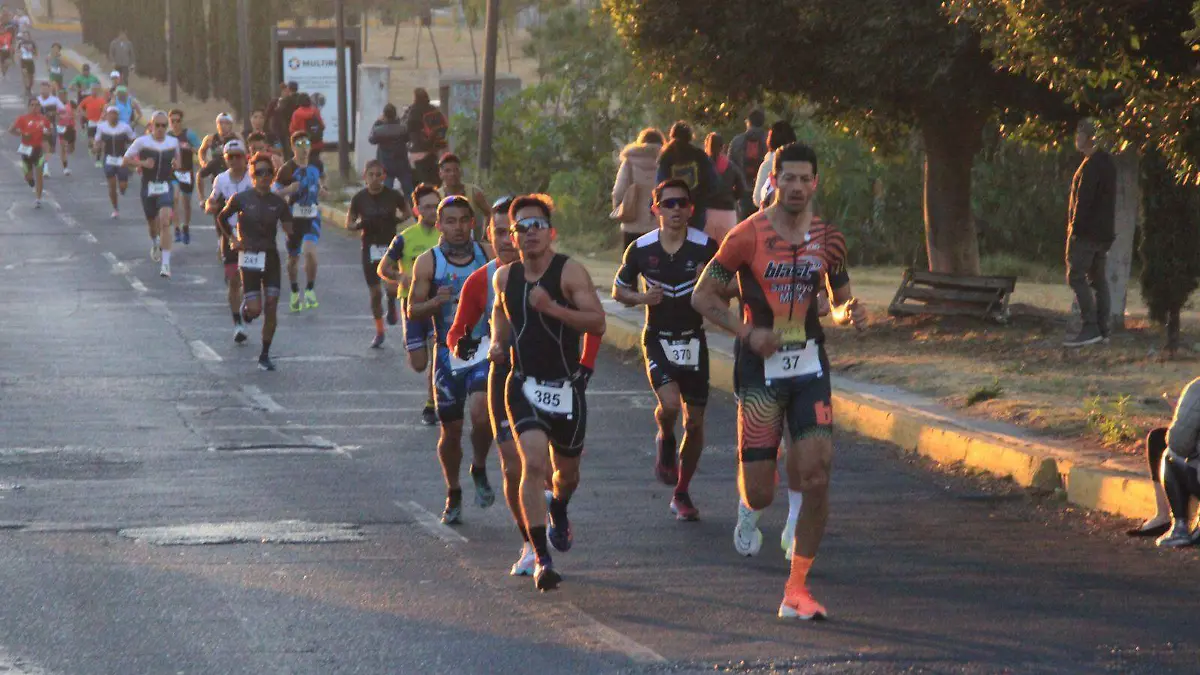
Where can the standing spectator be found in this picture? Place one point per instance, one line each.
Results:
(635, 184)
(746, 152)
(120, 52)
(1090, 232)
(427, 128)
(730, 188)
(391, 136)
(307, 118)
(684, 161)
(451, 175)
(781, 134)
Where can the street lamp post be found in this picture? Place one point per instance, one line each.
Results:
(488, 104)
(343, 104)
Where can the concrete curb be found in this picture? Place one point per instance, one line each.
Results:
(60, 27)
(1028, 464)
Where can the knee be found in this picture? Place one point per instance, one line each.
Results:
(759, 497)
(668, 409)
(693, 425)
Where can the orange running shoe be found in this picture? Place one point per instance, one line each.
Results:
(801, 605)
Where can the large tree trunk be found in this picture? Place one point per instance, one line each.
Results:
(1172, 345)
(1120, 256)
(951, 140)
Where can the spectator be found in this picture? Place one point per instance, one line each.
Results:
(682, 160)
(1090, 215)
(1173, 454)
(635, 184)
(451, 174)
(120, 52)
(730, 188)
(391, 136)
(746, 152)
(307, 118)
(781, 134)
(427, 128)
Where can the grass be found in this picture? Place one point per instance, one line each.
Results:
(985, 393)
(1111, 421)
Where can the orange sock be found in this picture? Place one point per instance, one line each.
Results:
(798, 579)
(379, 326)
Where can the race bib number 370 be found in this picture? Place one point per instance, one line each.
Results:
(556, 399)
(684, 353)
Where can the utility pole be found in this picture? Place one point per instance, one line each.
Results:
(243, 19)
(343, 104)
(487, 111)
(171, 85)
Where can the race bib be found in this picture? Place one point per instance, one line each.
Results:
(62, 129)
(184, 177)
(306, 212)
(682, 352)
(57, 70)
(794, 362)
(156, 189)
(25, 150)
(93, 125)
(255, 261)
(556, 399)
(26, 55)
(377, 253)
(479, 355)
(114, 160)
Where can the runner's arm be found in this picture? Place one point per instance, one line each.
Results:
(501, 328)
(718, 281)
(420, 305)
(471, 305)
(390, 268)
(625, 282)
(231, 207)
(579, 289)
(285, 220)
(351, 217)
(202, 154)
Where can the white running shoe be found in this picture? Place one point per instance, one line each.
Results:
(46, 170)
(155, 252)
(747, 538)
(165, 271)
(239, 333)
(37, 203)
(787, 540)
(66, 171)
(115, 214)
(525, 564)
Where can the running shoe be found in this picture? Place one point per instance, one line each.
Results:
(683, 508)
(525, 565)
(485, 496)
(377, 342)
(66, 171)
(393, 317)
(115, 214)
(98, 164)
(155, 252)
(295, 305)
(37, 203)
(165, 271)
(239, 333)
(801, 605)
(429, 415)
(31, 182)
(187, 236)
(747, 538)
(544, 576)
(310, 299)
(559, 533)
(178, 236)
(265, 363)
(1178, 537)
(452, 515)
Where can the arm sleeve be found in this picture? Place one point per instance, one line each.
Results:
(396, 248)
(1184, 431)
(628, 273)
(591, 347)
(471, 301)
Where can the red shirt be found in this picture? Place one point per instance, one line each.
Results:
(6, 39)
(472, 303)
(300, 120)
(66, 115)
(33, 129)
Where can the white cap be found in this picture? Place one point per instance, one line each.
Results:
(112, 108)
(225, 117)
(234, 146)
(115, 73)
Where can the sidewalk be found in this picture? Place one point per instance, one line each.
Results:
(1092, 480)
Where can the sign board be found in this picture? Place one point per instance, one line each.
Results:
(308, 56)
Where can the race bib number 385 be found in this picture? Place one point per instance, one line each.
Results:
(556, 399)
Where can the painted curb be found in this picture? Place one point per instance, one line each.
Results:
(60, 27)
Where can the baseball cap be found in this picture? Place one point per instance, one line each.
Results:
(115, 73)
(112, 108)
(224, 117)
(235, 147)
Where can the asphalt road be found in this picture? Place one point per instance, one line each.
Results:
(125, 404)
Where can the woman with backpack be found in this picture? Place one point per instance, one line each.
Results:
(427, 130)
(731, 185)
(634, 184)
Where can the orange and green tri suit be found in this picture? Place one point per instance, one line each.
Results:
(778, 285)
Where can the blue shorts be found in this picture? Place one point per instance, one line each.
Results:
(302, 231)
(152, 205)
(416, 333)
(121, 172)
(452, 387)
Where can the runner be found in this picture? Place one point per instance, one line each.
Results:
(258, 142)
(212, 162)
(115, 80)
(775, 262)
(450, 171)
(157, 155)
(54, 65)
(51, 108)
(91, 111)
(32, 128)
(674, 342)
(544, 302)
(437, 280)
(259, 213)
(185, 177)
(302, 183)
(129, 110)
(227, 184)
(27, 52)
(472, 326)
(375, 211)
(7, 37)
(258, 123)
(83, 83)
(395, 267)
(65, 129)
(113, 138)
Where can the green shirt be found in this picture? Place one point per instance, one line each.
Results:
(84, 82)
(417, 240)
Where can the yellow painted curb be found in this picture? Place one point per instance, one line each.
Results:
(1112, 491)
(61, 27)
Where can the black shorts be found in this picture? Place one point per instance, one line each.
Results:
(91, 133)
(497, 382)
(68, 136)
(33, 161)
(804, 403)
(686, 347)
(295, 240)
(190, 186)
(370, 267)
(27, 66)
(565, 430)
(266, 281)
(225, 251)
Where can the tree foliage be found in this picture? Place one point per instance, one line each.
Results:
(1170, 244)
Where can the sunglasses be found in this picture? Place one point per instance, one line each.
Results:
(160, 125)
(301, 144)
(259, 172)
(526, 224)
(675, 203)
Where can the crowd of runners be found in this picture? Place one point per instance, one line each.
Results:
(506, 328)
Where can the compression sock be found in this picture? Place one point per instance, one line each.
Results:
(537, 537)
(237, 318)
(295, 287)
(666, 449)
(266, 348)
(795, 500)
(798, 578)
(166, 257)
(310, 285)
(685, 478)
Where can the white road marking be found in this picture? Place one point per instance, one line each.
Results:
(203, 351)
(431, 523)
(137, 285)
(281, 532)
(89, 237)
(11, 665)
(263, 401)
(568, 616)
(324, 442)
(316, 427)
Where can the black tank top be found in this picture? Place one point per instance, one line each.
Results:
(542, 347)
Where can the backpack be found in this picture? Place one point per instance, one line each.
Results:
(315, 129)
(435, 128)
(754, 151)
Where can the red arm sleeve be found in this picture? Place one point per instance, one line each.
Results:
(471, 303)
(591, 347)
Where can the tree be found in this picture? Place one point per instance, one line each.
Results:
(198, 51)
(877, 66)
(1170, 245)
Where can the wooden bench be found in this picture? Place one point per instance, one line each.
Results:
(950, 294)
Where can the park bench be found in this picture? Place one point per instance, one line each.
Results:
(950, 294)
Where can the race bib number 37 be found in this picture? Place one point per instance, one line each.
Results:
(794, 362)
(556, 399)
